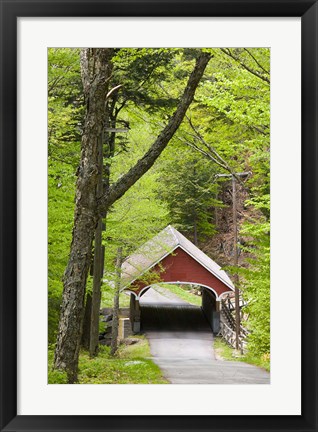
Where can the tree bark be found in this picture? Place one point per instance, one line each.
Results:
(87, 322)
(98, 266)
(235, 262)
(96, 293)
(195, 232)
(116, 303)
(96, 71)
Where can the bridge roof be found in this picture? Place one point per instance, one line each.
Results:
(163, 244)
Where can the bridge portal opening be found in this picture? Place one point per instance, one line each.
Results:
(177, 307)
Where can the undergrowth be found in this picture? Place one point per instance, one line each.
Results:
(223, 350)
(131, 365)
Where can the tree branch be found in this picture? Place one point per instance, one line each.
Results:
(206, 154)
(211, 151)
(111, 91)
(118, 189)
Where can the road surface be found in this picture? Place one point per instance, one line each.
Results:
(181, 344)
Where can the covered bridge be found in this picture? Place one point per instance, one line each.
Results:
(171, 258)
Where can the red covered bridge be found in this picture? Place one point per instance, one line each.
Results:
(171, 258)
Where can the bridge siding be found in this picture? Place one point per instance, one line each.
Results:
(180, 266)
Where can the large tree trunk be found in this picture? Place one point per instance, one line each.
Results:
(95, 64)
(96, 70)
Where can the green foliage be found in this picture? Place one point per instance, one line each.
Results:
(108, 297)
(64, 111)
(131, 366)
(139, 208)
(232, 113)
(63, 72)
(134, 219)
(65, 106)
(256, 289)
(57, 377)
(188, 187)
(143, 70)
(60, 217)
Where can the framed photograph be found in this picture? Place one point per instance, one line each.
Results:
(274, 42)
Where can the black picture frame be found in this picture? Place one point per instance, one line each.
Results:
(10, 11)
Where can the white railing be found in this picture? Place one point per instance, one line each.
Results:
(230, 337)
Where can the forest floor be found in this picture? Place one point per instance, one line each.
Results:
(131, 365)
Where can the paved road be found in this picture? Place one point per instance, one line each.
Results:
(161, 295)
(181, 344)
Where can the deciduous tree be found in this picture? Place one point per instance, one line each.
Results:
(96, 67)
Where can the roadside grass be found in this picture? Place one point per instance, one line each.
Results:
(184, 293)
(224, 351)
(138, 350)
(129, 366)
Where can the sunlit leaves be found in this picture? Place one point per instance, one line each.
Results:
(255, 285)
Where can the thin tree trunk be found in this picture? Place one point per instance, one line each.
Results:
(98, 267)
(96, 70)
(102, 187)
(216, 211)
(235, 262)
(195, 232)
(87, 321)
(96, 293)
(114, 342)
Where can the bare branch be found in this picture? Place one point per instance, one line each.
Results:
(249, 69)
(259, 130)
(208, 146)
(211, 151)
(256, 61)
(111, 91)
(208, 155)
